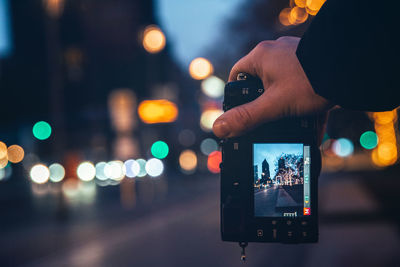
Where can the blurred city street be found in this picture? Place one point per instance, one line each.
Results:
(107, 154)
(358, 228)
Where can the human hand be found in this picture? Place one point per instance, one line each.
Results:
(288, 91)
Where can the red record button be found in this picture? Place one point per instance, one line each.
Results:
(307, 211)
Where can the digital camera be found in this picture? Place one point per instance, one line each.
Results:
(269, 176)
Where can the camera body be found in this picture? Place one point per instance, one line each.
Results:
(269, 176)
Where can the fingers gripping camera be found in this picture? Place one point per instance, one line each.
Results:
(269, 176)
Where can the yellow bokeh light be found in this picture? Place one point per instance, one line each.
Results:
(297, 15)
(15, 153)
(188, 160)
(153, 39)
(315, 4)
(157, 111)
(200, 68)
(284, 16)
(311, 12)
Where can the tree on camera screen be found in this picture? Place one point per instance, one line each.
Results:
(281, 180)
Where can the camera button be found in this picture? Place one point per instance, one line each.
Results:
(304, 234)
(304, 223)
(274, 222)
(260, 233)
(236, 146)
(289, 222)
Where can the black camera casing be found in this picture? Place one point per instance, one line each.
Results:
(238, 222)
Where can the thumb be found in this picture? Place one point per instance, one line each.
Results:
(245, 117)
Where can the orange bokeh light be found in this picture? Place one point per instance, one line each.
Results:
(214, 159)
(284, 16)
(157, 111)
(15, 153)
(200, 68)
(153, 39)
(297, 15)
(300, 3)
(315, 4)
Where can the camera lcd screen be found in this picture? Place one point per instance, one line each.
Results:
(281, 180)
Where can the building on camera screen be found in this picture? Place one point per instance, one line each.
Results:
(281, 180)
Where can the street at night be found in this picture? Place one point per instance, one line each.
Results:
(134, 133)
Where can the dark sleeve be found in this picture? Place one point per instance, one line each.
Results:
(350, 55)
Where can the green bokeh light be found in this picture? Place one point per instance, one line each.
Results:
(159, 150)
(41, 130)
(369, 140)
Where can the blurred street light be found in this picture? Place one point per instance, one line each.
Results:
(213, 87)
(157, 111)
(343, 147)
(208, 117)
(213, 161)
(159, 149)
(39, 174)
(153, 39)
(41, 130)
(154, 167)
(86, 171)
(15, 153)
(188, 161)
(57, 172)
(200, 68)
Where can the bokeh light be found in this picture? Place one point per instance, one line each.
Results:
(284, 16)
(15, 153)
(208, 145)
(297, 15)
(159, 149)
(5, 173)
(142, 170)
(387, 153)
(57, 172)
(200, 68)
(39, 174)
(208, 117)
(343, 147)
(100, 174)
(157, 111)
(132, 168)
(188, 161)
(186, 137)
(154, 167)
(213, 87)
(115, 170)
(41, 130)
(153, 39)
(86, 171)
(3, 162)
(369, 140)
(300, 3)
(3, 150)
(315, 4)
(213, 161)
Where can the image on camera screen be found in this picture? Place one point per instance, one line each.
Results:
(281, 180)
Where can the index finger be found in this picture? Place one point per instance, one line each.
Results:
(245, 64)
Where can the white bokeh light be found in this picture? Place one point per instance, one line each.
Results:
(86, 171)
(154, 167)
(57, 172)
(39, 174)
(213, 87)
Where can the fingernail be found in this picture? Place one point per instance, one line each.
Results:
(221, 128)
